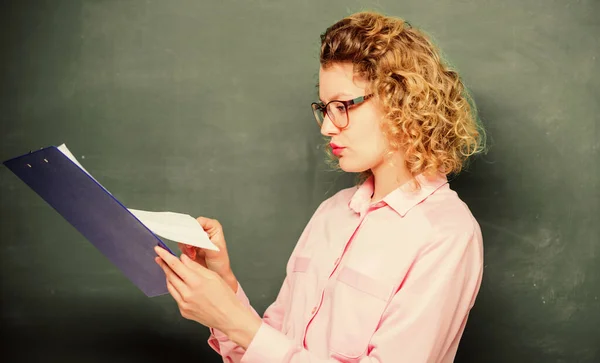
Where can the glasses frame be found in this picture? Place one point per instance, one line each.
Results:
(322, 108)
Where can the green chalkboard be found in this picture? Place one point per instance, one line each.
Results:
(203, 107)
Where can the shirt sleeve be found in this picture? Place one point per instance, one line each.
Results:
(423, 320)
(273, 317)
(221, 343)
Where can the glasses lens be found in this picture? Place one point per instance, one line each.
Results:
(337, 114)
(319, 113)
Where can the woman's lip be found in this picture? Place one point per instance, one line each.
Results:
(337, 150)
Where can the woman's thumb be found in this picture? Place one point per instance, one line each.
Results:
(204, 222)
(208, 224)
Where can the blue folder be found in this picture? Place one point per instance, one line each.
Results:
(96, 214)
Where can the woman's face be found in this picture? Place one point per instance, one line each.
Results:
(362, 144)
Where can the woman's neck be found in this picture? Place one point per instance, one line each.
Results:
(387, 177)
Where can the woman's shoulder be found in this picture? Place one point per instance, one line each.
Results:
(448, 215)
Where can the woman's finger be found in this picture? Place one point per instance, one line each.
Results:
(190, 251)
(206, 223)
(198, 268)
(173, 291)
(172, 278)
(210, 226)
(173, 262)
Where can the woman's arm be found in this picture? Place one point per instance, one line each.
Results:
(232, 350)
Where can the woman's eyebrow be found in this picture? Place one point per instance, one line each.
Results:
(337, 95)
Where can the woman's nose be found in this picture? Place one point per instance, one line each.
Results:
(328, 128)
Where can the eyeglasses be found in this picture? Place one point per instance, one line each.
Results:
(337, 111)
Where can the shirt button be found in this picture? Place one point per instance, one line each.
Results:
(314, 310)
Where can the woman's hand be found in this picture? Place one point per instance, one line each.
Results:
(203, 296)
(217, 261)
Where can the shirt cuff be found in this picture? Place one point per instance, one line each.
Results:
(268, 345)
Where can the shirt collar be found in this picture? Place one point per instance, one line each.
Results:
(401, 199)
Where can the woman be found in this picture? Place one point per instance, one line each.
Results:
(386, 271)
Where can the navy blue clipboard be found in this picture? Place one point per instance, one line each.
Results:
(96, 214)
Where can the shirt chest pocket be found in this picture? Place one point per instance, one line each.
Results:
(358, 302)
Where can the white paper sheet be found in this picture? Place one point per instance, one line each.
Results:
(176, 227)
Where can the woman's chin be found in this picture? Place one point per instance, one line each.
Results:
(349, 167)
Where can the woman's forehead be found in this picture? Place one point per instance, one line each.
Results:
(339, 79)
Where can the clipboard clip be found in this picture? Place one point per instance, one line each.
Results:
(46, 160)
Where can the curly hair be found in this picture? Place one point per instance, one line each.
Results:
(430, 114)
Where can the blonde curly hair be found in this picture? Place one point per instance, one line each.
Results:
(430, 114)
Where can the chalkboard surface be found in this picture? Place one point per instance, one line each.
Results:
(203, 107)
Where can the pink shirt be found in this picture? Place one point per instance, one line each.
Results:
(392, 281)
